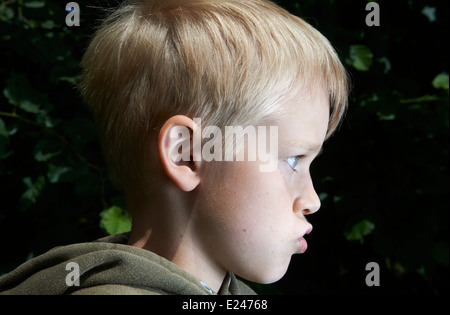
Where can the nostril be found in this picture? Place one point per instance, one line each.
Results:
(306, 206)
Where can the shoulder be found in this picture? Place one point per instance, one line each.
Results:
(116, 289)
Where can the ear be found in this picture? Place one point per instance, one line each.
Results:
(175, 152)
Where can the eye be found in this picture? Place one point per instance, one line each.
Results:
(292, 161)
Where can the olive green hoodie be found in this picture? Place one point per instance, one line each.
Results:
(107, 266)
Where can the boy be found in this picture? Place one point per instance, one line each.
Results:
(153, 73)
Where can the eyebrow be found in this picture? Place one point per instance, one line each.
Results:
(310, 147)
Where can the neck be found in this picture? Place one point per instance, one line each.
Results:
(165, 228)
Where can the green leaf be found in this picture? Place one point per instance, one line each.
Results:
(33, 191)
(359, 230)
(48, 24)
(386, 116)
(323, 196)
(34, 4)
(55, 173)
(387, 64)
(44, 157)
(71, 80)
(6, 13)
(430, 13)
(4, 134)
(441, 81)
(46, 149)
(115, 220)
(361, 57)
(30, 107)
(12, 90)
(4, 141)
(19, 92)
(421, 99)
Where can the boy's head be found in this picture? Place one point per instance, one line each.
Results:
(228, 62)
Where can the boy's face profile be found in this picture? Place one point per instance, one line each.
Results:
(251, 222)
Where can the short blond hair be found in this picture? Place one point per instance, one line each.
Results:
(228, 62)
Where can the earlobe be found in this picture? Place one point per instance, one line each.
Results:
(175, 152)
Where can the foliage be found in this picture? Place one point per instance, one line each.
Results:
(115, 220)
(383, 178)
(359, 230)
(361, 58)
(54, 184)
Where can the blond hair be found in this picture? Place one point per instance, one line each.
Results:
(228, 62)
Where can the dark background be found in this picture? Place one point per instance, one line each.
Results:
(383, 178)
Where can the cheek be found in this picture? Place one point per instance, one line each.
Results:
(248, 206)
(248, 191)
(248, 223)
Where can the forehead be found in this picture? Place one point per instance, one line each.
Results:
(305, 118)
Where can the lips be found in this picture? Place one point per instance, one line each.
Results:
(302, 244)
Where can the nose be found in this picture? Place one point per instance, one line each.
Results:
(307, 200)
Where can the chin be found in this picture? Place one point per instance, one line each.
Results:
(267, 274)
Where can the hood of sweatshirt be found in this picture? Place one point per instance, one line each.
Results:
(107, 266)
